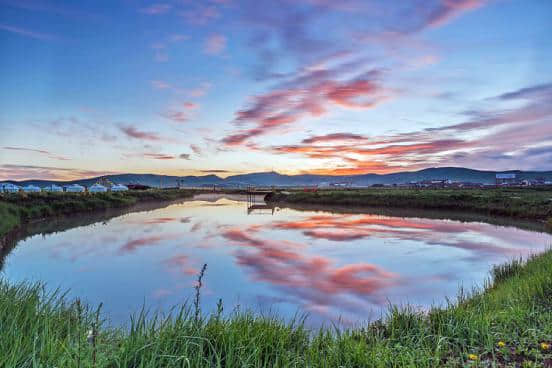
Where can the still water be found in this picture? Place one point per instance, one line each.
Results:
(337, 267)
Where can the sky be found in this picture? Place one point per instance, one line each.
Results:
(190, 87)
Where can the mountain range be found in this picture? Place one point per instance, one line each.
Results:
(276, 179)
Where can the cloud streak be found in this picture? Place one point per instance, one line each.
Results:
(42, 152)
(28, 33)
(134, 133)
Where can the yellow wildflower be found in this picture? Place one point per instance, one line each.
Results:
(545, 346)
(501, 344)
(472, 357)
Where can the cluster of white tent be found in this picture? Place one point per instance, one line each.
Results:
(73, 188)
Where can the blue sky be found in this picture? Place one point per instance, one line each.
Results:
(231, 86)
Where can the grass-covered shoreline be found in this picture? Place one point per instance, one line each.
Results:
(19, 208)
(525, 203)
(509, 323)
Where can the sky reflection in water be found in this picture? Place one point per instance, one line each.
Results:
(345, 267)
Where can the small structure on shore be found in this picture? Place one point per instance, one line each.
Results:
(74, 188)
(31, 189)
(97, 188)
(9, 188)
(52, 188)
(138, 187)
(506, 179)
(119, 188)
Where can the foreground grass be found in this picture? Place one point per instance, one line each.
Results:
(18, 208)
(513, 202)
(507, 324)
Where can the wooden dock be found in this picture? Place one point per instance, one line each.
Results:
(253, 202)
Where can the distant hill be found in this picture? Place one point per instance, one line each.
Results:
(274, 178)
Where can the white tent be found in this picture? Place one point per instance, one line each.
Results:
(119, 188)
(9, 188)
(74, 188)
(31, 189)
(53, 188)
(97, 188)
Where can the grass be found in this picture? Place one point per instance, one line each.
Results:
(508, 323)
(513, 202)
(19, 208)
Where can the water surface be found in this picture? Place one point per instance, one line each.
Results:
(335, 266)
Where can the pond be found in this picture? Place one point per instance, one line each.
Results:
(337, 266)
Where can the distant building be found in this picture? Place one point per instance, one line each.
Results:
(9, 188)
(433, 183)
(97, 188)
(119, 188)
(341, 185)
(74, 188)
(31, 189)
(506, 179)
(52, 188)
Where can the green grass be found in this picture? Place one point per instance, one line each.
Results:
(9, 216)
(47, 330)
(512, 202)
(19, 208)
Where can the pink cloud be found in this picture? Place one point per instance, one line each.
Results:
(159, 84)
(201, 14)
(310, 93)
(200, 90)
(449, 9)
(190, 105)
(177, 116)
(133, 132)
(159, 156)
(134, 244)
(181, 263)
(196, 149)
(215, 44)
(156, 9)
(313, 280)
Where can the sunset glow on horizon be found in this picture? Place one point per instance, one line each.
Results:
(224, 87)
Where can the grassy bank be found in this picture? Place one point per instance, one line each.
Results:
(519, 203)
(507, 324)
(19, 208)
